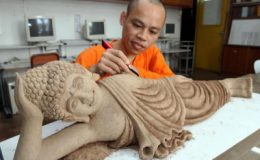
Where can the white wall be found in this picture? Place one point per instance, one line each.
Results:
(13, 12)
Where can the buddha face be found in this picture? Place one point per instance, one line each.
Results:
(82, 97)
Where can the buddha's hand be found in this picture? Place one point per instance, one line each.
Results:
(27, 109)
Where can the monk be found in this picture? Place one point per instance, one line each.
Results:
(141, 23)
(121, 110)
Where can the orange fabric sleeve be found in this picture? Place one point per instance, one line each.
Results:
(150, 63)
(90, 56)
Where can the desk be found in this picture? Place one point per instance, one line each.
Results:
(7, 75)
(20, 64)
(235, 121)
(172, 58)
(44, 47)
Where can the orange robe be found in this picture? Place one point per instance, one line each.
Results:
(150, 63)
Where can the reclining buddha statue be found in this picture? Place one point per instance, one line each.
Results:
(119, 110)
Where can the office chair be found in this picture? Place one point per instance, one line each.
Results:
(257, 66)
(40, 59)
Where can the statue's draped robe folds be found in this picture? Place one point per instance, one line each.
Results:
(156, 111)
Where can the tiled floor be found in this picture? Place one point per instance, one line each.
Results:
(9, 127)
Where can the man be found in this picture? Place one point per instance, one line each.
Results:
(141, 24)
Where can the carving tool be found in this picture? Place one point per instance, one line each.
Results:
(106, 45)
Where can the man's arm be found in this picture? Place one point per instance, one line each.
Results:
(156, 64)
(101, 61)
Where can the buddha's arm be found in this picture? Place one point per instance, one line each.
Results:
(31, 146)
(29, 143)
(64, 142)
(107, 124)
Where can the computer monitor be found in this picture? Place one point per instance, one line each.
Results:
(168, 30)
(40, 29)
(95, 29)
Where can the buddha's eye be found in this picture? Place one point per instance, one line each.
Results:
(77, 83)
(72, 104)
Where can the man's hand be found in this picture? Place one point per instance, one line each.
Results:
(112, 62)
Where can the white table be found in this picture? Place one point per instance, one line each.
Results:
(235, 121)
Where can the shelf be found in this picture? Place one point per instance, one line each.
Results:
(178, 3)
(244, 4)
(242, 45)
(244, 56)
(242, 41)
(46, 45)
(245, 18)
(246, 10)
(77, 42)
(252, 12)
(30, 46)
(17, 47)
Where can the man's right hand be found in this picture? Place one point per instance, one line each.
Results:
(112, 62)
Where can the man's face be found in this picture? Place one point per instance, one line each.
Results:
(142, 26)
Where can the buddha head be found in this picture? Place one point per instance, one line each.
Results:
(62, 91)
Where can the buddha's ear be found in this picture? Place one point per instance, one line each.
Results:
(69, 118)
(93, 76)
(72, 118)
(84, 119)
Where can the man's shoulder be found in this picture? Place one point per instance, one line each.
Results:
(93, 49)
(96, 48)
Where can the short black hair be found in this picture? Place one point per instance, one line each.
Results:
(132, 3)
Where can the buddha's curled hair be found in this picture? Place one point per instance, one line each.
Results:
(44, 86)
